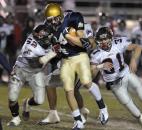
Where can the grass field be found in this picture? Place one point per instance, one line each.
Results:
(120, 118)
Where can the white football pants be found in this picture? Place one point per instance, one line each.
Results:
(121, 91)
(35, 80)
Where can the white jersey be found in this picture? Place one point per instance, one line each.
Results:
(122, 33)
(137, 34)
(115, 56)
(88, 31)
(30, 50)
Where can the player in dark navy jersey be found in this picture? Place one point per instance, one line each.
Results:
(75, 59)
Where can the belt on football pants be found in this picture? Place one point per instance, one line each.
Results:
(108, 84)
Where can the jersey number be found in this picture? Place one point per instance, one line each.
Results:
(31, 42)
(118, 41)
(110, 60)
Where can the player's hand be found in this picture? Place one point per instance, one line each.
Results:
(107, 66)
(56, 48)
(133, 66)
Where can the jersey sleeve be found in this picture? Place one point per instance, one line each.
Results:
(125, 43)
(76, 21)
(88, 31)
(94, 57)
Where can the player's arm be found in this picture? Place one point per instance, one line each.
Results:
(103, 66)
(75, 39)
(94, 70)
(46, 58)
(55, 51)
(92, 42)
(86, 43)
(45, 38)
(136, 52)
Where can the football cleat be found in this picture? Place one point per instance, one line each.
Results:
(15, 121)
(83, 119)
(78, 125)
(52, 118)
(84, 114)
(103, 116)
(26, 110)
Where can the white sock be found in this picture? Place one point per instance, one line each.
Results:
(76, 113)
(53, 111)
(95, 91)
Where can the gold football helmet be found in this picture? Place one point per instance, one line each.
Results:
(53, 15)
(53, 10)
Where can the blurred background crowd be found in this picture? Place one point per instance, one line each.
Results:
(18, 18)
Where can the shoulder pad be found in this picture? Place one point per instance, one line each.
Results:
(95, 52)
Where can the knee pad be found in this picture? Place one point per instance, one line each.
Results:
(125, 100)
(13, 96)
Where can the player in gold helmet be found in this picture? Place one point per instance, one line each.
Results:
(54, 15)
(73, 50)
(53, 10)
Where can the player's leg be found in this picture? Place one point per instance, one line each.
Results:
(14, 86)
(53, 116)
(121, 92)
(103, 115)
(136, 85)
(99, 101)
(52, 80)
(77, 93)
(85, 77)
(38, 87)
(68, 78)
(83, 110)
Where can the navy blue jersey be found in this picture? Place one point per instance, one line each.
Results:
(75, 20)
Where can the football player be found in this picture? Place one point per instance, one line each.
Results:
(119, 77)
(28, 68)
(88, 33)
(53, 116)
(75, 58)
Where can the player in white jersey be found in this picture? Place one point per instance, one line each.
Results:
(108, 58)
(29, 68)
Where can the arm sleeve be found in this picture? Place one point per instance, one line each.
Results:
(125, 43)
(94, 57)
(76, 20)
